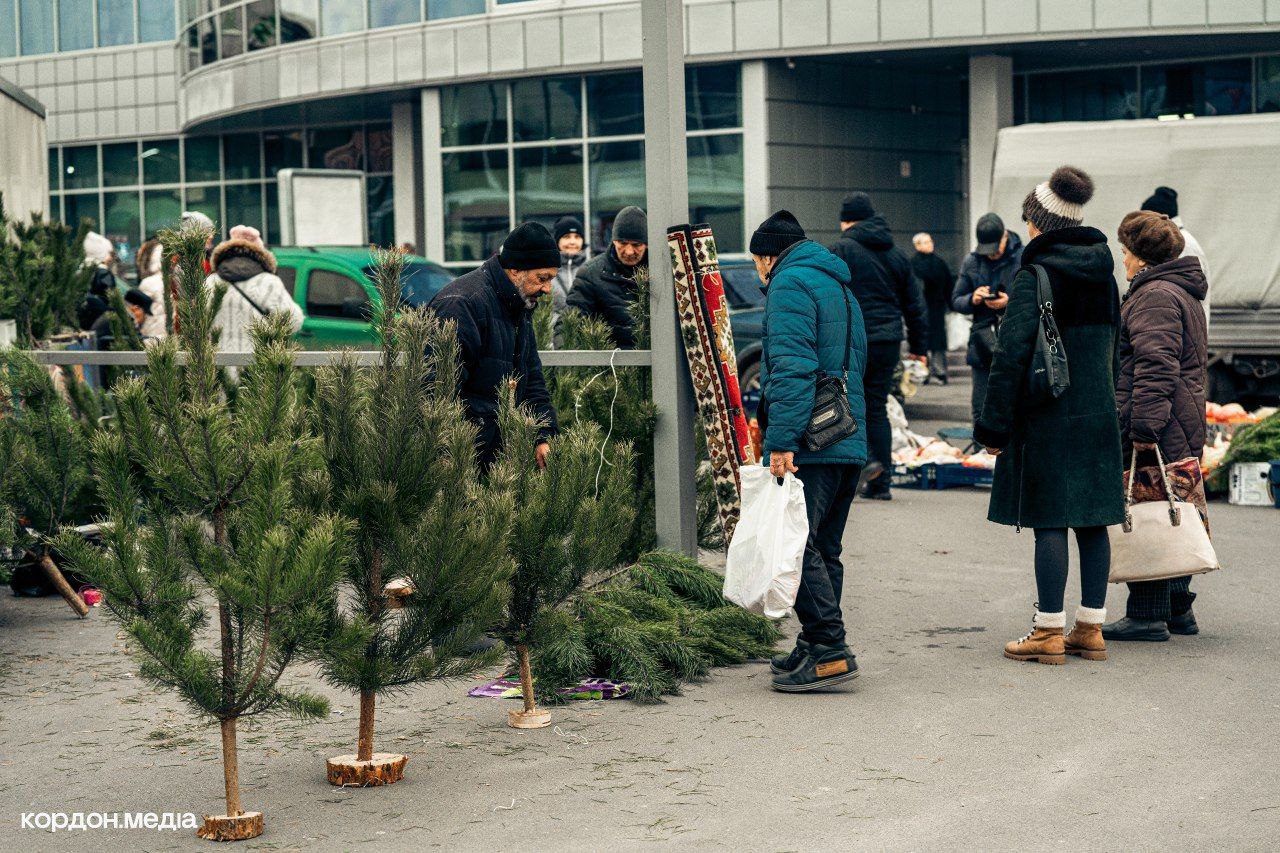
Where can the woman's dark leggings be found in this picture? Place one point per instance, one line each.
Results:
(1052, 558)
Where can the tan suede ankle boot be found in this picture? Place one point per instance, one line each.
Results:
(1085, 639)
(1045, 642)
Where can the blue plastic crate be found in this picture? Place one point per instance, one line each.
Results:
(1275, 482)
(956, 475)
(919, 477)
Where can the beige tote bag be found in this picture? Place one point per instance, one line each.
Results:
(1159, 540)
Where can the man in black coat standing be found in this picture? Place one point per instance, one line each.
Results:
(936, 277)
(493, 309)
(888, 294)
(606, 287)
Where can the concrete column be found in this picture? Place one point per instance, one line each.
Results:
(990, 108)
(666, 164)
(755, 146)
(407, 186)
(432, 178)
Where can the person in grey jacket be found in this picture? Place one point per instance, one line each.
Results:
(573, 255)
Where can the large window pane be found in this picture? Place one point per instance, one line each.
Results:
(473, 115)
(55, 171)
(475, 204)
(715, 187)
(547, 108)
(615, 104)
(240, 156)
(208, 201)
(1097, 95)
(120, 164)
(453, 8)
(244, 205)
(388, 13)
(123, 225)
(336, 148)
(283, 151)
(77, 206)
(272, 234)
(75, 24)
(713, 97)
(260, 24)
(37, 26)
(548, 183)
(208, 41)
(160, 161)
(617, 180)
(80, 167)
(382, 218)
(8, 31)
(299, 20)
(341, 16)
(155, 21)
(1203, 89)
(202, 158)
(164, 207)
(379, 159)
(1269, 84)
(115, 22)
(231, 33)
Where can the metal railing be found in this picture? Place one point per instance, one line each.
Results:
(319, 358)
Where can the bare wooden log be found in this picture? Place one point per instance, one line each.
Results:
(381, 769)
(231, 828)
(54, 574)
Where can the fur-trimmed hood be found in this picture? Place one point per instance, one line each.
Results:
(239, 260)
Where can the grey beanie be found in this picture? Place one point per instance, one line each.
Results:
(631, 225)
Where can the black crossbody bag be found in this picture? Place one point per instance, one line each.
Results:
(1048, 376)
(832, 420)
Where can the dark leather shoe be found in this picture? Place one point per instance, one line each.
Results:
(1136, 629)
(822, 667)
(779, 664)
(1184, 624)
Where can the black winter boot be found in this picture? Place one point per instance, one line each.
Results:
(1184, 623)
(1136, 629)
(785, 663)
(822, 667)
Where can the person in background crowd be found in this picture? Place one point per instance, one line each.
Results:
(1059, 461)
(888, 293)
(493, 309)
(151, 282)
(808, 308)
(1165, 200)
(605, 287)
(139, 306)
(573, 255)
(247, 270)
(1164, 344)
(936, 278)
(100, 254)
(982, 292)
(196, 219)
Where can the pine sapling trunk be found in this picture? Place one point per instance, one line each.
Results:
(526, 677)
(364, 743)
(231, 767)
(230, 761)
(55, 576)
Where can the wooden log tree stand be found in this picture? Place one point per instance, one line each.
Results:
(55, 576)
(531, 717)
(366, 768)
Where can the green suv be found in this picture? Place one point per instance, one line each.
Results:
(334, 287)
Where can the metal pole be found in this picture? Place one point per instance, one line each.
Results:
(667, 189)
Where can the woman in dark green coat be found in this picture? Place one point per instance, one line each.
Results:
(1059, 463)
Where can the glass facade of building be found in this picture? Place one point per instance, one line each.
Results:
(574, 146)
(1217, 87)
(31, 27)
(131, 189)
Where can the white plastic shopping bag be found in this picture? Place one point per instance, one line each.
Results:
(763, 569)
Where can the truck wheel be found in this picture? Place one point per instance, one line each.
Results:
(1222, 385)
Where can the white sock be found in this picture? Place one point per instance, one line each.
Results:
(1050, 620)
(1091, 615)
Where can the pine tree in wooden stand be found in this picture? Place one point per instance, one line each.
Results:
(570, 521)
(203, 503)
(431, 567)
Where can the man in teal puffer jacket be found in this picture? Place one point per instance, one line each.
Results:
(812, 324)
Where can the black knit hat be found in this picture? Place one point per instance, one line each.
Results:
(134, 296)
(631, 225)
(529, 247)
(567, 225)
(1163, 200)
(775, 234)
(856, 207)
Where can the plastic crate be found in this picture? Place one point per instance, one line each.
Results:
(954, 476)
(1275, 482)
(919, 477)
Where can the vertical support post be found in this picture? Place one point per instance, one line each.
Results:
(755, 146)
(666, 164)
(407, 189)
(990, 108)
(432, 178)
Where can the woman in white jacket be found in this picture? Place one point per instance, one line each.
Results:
(151, 282)
(253, 289)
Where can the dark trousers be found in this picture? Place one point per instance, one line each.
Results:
(979, 394)
(1157, 601)
(882, 361)
(828, 492)
(938, 363)
(1051, 567)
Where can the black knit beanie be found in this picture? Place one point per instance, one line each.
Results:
(567, 225)
(1163, 200)
(529, 247)
(775, 234)
(631, 225)
(134, 296)
(856, 207)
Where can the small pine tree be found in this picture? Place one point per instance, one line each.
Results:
(203, 498)
(43, 276)
(400, 463)
(570, 521)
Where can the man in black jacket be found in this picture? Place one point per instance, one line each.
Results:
(936, 277)
(493, 309)
(888, 294)
(606, 287)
